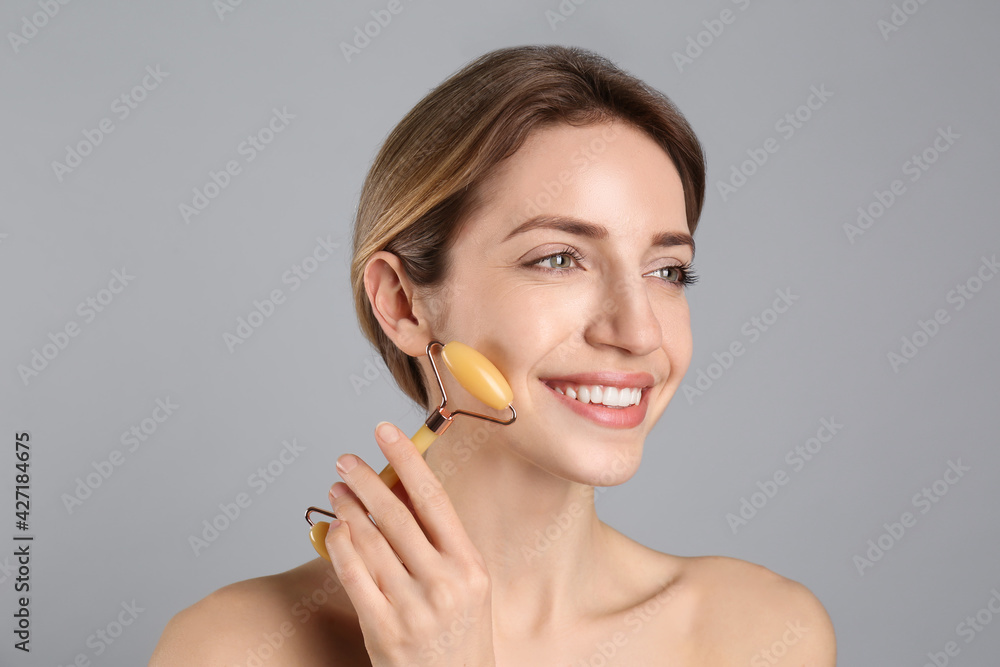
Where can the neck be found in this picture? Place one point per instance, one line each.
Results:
(539, 534)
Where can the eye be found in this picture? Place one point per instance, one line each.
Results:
(682, 276)
(679, 276)
(563, 258)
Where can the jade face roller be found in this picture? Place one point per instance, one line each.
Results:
(478, 376)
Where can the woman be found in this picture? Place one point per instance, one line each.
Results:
(537, 206)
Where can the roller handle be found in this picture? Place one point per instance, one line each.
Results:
(317, 534)
(422, 439)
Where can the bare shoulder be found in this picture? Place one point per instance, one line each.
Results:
(227, 627)
(269, 620)
(760, 616)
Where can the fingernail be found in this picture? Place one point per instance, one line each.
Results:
(347, 463)
(338, 489)
(387, 432)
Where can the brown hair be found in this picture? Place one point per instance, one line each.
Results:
(428, 176)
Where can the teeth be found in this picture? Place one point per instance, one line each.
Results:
(598, 394)
(624, 398)
(610, 396)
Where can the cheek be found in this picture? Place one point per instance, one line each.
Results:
(677, 342)
(532, 314)
(523, 324)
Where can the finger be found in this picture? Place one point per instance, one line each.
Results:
(396, 523)
(400, 492)
(430, 501)
(353, 574)
(384, 565)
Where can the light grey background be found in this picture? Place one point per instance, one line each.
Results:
(296, 376)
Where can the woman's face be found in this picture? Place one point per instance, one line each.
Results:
(614, 315)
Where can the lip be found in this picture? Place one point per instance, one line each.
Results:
(608, 379)
(619, 418)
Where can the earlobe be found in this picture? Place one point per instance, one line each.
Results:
(390, 293)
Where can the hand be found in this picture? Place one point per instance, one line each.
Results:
(421, 589)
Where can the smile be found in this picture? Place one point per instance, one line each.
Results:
(608, 396)
(609, 406)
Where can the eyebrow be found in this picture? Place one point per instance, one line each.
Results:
(579, 227)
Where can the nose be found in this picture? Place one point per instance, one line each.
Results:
(625, 318)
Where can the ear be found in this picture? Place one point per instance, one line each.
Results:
(391, 294)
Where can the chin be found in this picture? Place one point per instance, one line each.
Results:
(602, 464)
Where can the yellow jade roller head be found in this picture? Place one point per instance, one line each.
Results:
(478, 376)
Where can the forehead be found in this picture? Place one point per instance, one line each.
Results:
(610, 173)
